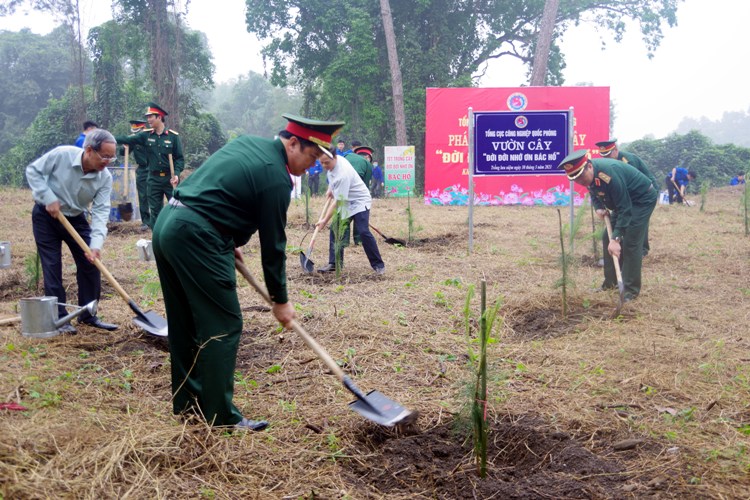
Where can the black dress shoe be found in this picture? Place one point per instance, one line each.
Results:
(97, 323)
(67, 328)
(251, 425)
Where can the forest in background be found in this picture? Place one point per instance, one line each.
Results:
(339, 70)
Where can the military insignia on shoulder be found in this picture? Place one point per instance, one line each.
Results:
(173, 132)
(605, 177)
(624, 160)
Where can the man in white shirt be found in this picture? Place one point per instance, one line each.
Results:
(66, 180)
(345, 186)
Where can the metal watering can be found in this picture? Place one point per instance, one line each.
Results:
(4, 254)
(38, 316)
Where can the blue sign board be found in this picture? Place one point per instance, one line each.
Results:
(520, 143)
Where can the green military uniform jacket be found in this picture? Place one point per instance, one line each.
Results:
(243, 188)
(140, 156)
(362, 166)
(619, 187)
(139, 152)
(158, 148)
(636, 161)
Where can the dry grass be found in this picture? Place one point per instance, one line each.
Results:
(672, 371)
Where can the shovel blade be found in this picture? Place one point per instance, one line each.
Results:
(382, 410)
(152, 323)
(395, 241)
(620, 298)
(308, 266)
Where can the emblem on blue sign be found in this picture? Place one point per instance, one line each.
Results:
(521, 121)
(517, 101)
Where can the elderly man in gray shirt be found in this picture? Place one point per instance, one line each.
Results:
(66, 180)
(346, 186)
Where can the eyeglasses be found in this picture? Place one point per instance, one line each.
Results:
(108, 159)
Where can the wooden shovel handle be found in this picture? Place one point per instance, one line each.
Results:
(98, 263)
(684, 201)
(315, 233)
(9, 321)
(125, 171)
(311, 343)
(616, 261)
(171, 167)
(377, 231)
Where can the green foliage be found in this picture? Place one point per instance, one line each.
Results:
(340, 226)
(206, 137)
(251, 105)
(342, 67)
(716, 164)
(704, 192)
(33, 69)
(54, 125)
(33, 269)
(478, 365)
(413, 228)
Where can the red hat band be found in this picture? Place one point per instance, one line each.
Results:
(319, 138)
(606, 150)
(154, 111)
(573, 170)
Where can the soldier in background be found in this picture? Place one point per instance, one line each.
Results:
(609, 149)
(159, 142)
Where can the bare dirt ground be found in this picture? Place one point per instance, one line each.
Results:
(654, 403)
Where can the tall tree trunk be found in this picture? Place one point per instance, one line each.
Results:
(164, 67)
(543, 43)
(396, 82)
(78, 61)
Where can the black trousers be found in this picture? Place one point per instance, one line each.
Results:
(674, 193)
(361, 231)
(49, 235)
(314, 184)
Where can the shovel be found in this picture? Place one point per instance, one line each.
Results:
(684, 200)
(125, 207)
(308, 266)
(374, 405)
(10, 321)
(149, 321)
(390, 241)
(620, 284)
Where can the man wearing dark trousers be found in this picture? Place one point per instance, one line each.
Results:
(630, 198)
(677, 182)
(349, 200)
(66, 180)
(241, 189)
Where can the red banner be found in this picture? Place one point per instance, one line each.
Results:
(447, 142)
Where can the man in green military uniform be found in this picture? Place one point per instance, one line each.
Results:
(609, 149)
(630, 197)
(141, 173)
(160, 142)
(241, 189)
